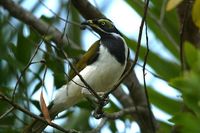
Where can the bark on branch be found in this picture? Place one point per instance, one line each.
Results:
(191, 31)
(40, 26)
(137, 93)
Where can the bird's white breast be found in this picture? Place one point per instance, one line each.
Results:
(104, 73)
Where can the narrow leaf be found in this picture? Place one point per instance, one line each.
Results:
(196, 13)
(191, 54)
(44, 108)
(171, 4)
(166, 104)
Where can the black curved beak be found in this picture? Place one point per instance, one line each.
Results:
(88, 22)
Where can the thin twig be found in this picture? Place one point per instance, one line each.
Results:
(182, 33)
(6, 113)
(161, 26)
(24, 70)
(40, 26)
(66, 22)
(43, 78)
(122, 112)
(57, 16)
(74, 81)
(144, 79)
(152, 73)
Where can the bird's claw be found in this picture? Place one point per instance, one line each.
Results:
(105, 101)
(97, 116)
(98, 113)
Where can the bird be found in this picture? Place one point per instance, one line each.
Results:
(101, 67)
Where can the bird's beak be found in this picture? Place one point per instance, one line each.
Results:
(91, 24)
(88, 22)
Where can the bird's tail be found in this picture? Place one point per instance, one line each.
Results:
(37, 126)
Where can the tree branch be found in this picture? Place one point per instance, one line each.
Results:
(186, 14)
(129, 110)
(40, 26)
(144, 120)
(87, 10)
(191, 32)
(137, 94)
(16, 106)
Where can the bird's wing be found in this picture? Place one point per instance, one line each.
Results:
(88, 58)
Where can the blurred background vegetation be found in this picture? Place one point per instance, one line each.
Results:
(175, 25)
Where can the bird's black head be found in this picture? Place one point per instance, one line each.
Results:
(102, 26)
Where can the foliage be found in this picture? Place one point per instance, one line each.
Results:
(188, 85)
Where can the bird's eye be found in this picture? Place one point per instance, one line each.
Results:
(103, 23)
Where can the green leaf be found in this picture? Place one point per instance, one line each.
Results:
(79, 120)
(112, 108)
(5, 90)
(72, 52)
(188, 84)
(49, 20)
(34, 37)
(190, 53)
(165, 28)
(166, 104)
(74, 32)
(85, 105)
(36, 104)
(4, 106)
(112, 126)
(37, 87)
(59, 79)
(57, 67)
(159, 64)
(8, 120)
(36, 73)
(24, 49)
(186, 123)
(164, 127)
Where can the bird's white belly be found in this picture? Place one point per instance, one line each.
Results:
(102, 74)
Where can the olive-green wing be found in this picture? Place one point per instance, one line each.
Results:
(88, 58)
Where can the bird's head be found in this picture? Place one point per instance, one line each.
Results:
(102, 26)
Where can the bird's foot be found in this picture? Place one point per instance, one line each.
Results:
(88, 95)
(97, 116)
(98, 112)
(105, 101)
